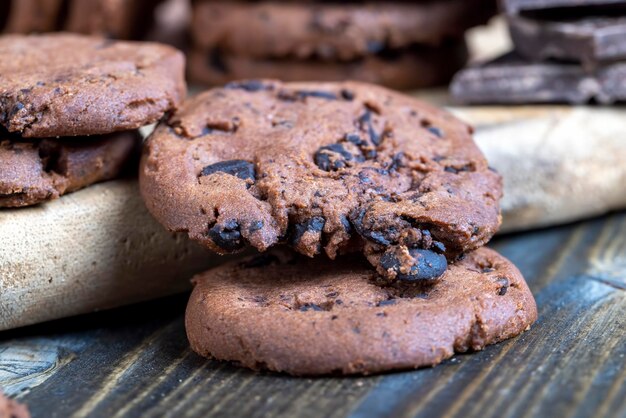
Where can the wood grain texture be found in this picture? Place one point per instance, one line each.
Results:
(135, 362)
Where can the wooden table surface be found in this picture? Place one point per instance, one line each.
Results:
(136, 362)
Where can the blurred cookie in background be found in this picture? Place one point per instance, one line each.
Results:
(397, 44)
(28, 16)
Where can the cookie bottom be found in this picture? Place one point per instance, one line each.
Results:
(413, 68)
(316, 316)
(33, 171)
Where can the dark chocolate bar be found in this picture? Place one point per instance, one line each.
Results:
(511, 80)
(517, 6)
(590, 40)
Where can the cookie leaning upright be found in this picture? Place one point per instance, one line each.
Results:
(323, 167)
(67, 85)
(70, 107)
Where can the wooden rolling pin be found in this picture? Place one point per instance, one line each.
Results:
(99, 248)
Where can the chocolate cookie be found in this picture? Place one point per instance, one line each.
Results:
(38, 170)
(330, 31)
(311, 317)
(30, 16)
(120, 19)
(67, 85)
(12, 409)
(409, 68)
(324, 167)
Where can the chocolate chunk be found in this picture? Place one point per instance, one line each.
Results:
(435, 131)
(310, 307)
(347, 94)
(428, 265)
(238, 168)
(248, 85)
(334, 157)
(365, 122)
(510, 80)
(303, 94)
(315, 224)
(517, 6)
(227, 236)
(217, 62)
(590, 40)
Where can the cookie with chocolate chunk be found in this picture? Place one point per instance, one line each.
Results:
(68, 85)
(30, 16)
(312, 317)
(324, 167)
(404, 69)
(38, 170)
(333, 31)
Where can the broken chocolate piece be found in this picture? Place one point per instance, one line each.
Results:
(509, 80)
(238, 168)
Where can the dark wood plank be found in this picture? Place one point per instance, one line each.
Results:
(135, 361)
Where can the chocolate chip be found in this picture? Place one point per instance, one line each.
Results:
(346, 224)
(255, 226)
(435, 131)
(365, 122)
(347, 94)
(248, 85)
(334, 157)
(387, 302)
(310, 307)
(315, 224)
(356, 217)
(262, 260)
(428, 264)
(457, 170)
(303, 94)
(227, 236)
(238, 168)
(504, 285)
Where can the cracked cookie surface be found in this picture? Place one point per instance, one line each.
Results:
(290, 314)
(325, 167)
(68, 85)
(37, 170)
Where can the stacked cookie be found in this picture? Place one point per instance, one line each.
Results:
(570, 51)
(120, 19)
(398, 44)
(70, 107)
(385, 203)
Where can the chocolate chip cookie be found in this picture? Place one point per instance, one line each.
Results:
(330, 31)
(37, 170)
(26, 16)
(408, 68)
(324, 167)
(119, 19)
(68, 85)
(311, 317)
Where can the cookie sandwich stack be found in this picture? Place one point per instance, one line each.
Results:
(399, 44)
(70, 107)
(370, 210)
(570, 51)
